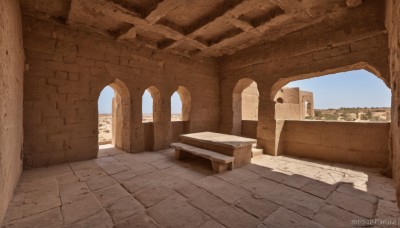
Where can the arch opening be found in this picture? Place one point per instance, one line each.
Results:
(344, 96)
(245, 106)
(181, 104)
(151, 103)
(114, 116)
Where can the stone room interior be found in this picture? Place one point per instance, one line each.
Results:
(239, 155)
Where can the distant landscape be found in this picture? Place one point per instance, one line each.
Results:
(359, 114)
(105, 121)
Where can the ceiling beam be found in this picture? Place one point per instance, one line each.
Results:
(162, 9)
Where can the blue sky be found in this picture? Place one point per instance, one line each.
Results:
(358, 88)
(107, 94)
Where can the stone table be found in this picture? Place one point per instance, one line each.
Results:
(231, 145)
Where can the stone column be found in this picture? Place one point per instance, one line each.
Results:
(137, 129)
(269, 130)
(162, 127)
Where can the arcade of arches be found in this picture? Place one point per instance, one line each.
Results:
(228, 66)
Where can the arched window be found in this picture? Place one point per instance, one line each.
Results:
(151, 105)
(114, 115)
(180, 105)
(105, 115)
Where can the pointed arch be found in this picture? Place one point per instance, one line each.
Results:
(186, 100)
(244, 103)
(155, 94)
(121, 113)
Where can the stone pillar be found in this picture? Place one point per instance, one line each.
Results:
(162, 126)
(137, 129)
(269, 130)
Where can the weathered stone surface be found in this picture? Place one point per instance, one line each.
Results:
(387, 209)
(329, 215)
(124, 208)
(73, 192)
(101, 220)
(259, 208)
(261, 187)
(350, 190)
(125, 175)
(206, 202)
(67, 178)
(238, 176)
(224, 190)
(353, 204)
(174, 212)
(153, 194)
(100, 182)
(188, 189)
(34, 203)
(318, 188)
(302, 203)
(80, 209)
(234, 217)
(11, 102)
(212, 224)
(211, 201)
(285, 218)
(139, 220)
(50, 218)
(110, 194)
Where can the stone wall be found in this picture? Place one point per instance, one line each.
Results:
(250, 102)
(249, 128)
(11, 90)
(363, 144)
(68, 68)
(178, 128)
(393, 18)
(331, 49)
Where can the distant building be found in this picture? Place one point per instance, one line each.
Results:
(294, 104)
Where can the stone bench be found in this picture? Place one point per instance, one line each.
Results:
(220, 162)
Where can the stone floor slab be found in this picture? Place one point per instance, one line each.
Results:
(224, 190)
(81, 209)
(153, 194)
(73, 192)
(138, 221)
(286, 218)
(329, 215)
(124, 208)
(50, 218)
(100, 182)
(99, 220)
(259, 208)
(110, 194)
(125, 175)
(174, 212)
(235, 218)
(352, 204)
(279, 191)
(206, 202)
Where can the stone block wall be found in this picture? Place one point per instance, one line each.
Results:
(392, 20)
(249, 128)
(250, 102)
(364, 144)
(11, 89)
(67, 69)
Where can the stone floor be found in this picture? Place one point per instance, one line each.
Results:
(152, 189)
